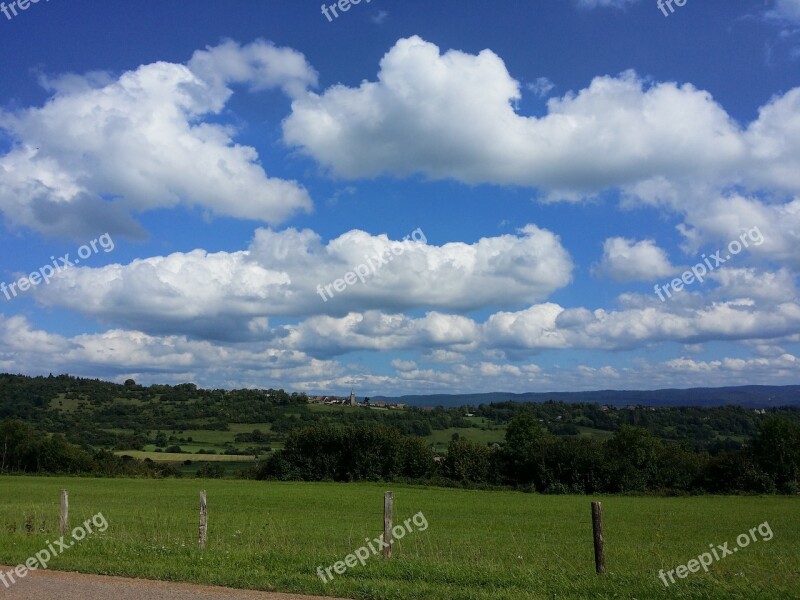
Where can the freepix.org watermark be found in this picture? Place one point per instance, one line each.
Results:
(47, 272)
(706, 559)
(364, 270)
(362, 554)
(10, 11)
(663, 5)
(342, 5)
(700, 270)
(41, 558)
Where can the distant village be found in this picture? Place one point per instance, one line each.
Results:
(351, 400)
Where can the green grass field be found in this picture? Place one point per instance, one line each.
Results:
(441, 437)
(595, 433)
(202, 439)
(479, 545)
(176, 457)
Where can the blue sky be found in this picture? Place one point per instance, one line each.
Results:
(410, 197)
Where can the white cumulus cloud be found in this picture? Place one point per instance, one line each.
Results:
(629, 260)
(103, 148)
(286, 273)
(451, 115)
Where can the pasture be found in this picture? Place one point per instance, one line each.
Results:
(479, 545)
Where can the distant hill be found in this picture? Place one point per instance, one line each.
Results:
(749, 396)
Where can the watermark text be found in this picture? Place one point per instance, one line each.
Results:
(362, 554)
(706, 559)
(43, 557)
(700, 270)
(47, 272)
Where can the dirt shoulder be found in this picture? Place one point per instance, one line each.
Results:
(68, 586)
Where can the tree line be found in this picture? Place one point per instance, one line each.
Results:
(23, 449)
(633, 460)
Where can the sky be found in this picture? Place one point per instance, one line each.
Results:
(401, 196)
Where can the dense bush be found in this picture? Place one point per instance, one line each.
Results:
(210, 470)
(350, 453)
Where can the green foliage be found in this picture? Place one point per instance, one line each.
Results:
(523, 452)
(351, 453)
(632, 457)
(634, 460)
(636, 449)
(25, 450)
(468, 462)
(776, 450)
(210, 470)
(416, 458)
(256, 436)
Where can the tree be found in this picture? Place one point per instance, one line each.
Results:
(17, 446)
(522, 454)
(210, 470)
(574, 465)
(417, 457)
(776, 450)
(632, 458)
(468, 461)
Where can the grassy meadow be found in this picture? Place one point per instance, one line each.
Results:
(479, 545)
(176, 457)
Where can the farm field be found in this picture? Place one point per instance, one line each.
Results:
(440, 438)
(177, 457)
(592, 432)
(478, 546)
(201, 440)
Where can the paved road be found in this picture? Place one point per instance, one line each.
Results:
(57, 585)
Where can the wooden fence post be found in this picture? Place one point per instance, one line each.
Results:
(203, 519)
(388, 502)
(64, 516)
(599, 548)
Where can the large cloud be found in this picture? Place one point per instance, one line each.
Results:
(229, 295)
(256, 294)
(451, 115)
(102, 148)
(643, 323)
(121, 353)
(683, 319)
